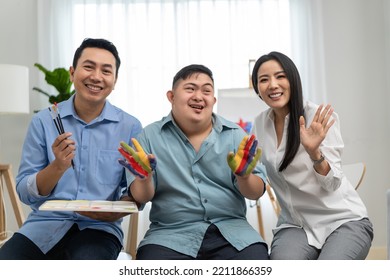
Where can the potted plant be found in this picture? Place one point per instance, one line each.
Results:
(60, 79)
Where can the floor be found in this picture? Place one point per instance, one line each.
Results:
(377, 253)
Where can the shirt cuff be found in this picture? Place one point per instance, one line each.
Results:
(32, 187)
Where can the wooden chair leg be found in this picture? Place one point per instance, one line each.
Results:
(274, 201)
(132, 236)
(260, 218)
(6, 173)
(3, 234)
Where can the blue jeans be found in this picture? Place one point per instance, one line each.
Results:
(87, 244)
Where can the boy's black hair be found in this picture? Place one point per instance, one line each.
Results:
(187, 71)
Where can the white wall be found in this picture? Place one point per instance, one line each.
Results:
(18, 31)
(355, 36)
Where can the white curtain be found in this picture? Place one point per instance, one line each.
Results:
(307, 47)
(156, 38)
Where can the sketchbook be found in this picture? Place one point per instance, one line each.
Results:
(89, 205)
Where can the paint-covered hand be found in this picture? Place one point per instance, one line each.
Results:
(137, 161)
(244, 161)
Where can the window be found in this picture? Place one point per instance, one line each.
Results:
(156, 38)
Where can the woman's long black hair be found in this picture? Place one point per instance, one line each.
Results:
(295, 104)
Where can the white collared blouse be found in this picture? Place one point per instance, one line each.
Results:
(318, 204)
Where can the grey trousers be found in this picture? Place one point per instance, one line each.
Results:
(351, 241)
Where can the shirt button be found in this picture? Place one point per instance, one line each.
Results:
(199, 181)
(205, 200)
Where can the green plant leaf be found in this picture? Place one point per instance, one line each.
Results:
(58, 78)
(41, 91)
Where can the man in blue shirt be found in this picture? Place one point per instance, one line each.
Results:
(186, 166)
(80, 164)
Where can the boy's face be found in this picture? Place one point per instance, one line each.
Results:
(94, 77)
(193, 99)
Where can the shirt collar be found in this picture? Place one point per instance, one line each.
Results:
(271, 115)
(109, 111)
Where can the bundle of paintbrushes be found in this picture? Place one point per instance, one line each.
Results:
(55, 114)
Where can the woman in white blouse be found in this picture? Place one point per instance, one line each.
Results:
(322, 215)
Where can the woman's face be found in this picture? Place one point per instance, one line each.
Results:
(273, 85)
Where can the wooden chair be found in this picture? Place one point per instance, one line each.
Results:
(275, 207)
(138, 223)
(7, 176)
(273, 199)
(355, 173)
(130, 246)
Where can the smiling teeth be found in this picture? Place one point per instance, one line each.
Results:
(196, 107)
(275, 95)
(94, 87)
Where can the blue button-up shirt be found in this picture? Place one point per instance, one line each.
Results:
(195, 189)
(97, 174)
